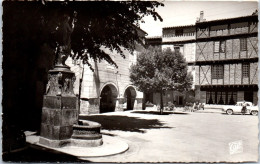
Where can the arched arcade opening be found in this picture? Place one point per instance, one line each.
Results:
(130, 95)
(108, 98)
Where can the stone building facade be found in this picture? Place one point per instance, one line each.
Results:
(107, 88)
(227, 60)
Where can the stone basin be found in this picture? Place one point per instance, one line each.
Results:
(86, 134)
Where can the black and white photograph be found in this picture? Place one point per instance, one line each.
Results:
(130, 81)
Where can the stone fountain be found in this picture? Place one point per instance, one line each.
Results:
(60, 125)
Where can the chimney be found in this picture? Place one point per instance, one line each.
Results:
(201, 16)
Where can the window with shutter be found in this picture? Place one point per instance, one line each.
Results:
(222, 47)
(219, 46)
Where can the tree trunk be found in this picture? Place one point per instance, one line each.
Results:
(161, 107)
(80, 84)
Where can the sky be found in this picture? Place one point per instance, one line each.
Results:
(178, 13)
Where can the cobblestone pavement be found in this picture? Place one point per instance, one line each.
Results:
(180, 137)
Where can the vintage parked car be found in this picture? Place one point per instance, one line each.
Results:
(250, 108)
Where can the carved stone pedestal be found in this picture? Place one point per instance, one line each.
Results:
(59, 124)
(59, 111)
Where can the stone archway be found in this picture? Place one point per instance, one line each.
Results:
(108, 97)
(130, 95)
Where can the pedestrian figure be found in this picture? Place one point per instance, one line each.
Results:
(202, 106)
(199, 106)
(243, 110)
(195, 106)
(158, 106)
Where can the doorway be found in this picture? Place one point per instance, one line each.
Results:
(180, 100)
(108, 99)
(130, 95)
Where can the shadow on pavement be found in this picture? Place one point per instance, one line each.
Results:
(35, 155)
(238, 114)
(108, 134)
(125, 123)
(157, 112)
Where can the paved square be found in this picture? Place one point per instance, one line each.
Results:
(191, 137)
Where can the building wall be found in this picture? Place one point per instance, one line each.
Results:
(189, 50)
(104, 74)
(169, 34)
(232, 75)
(234, 28)
(232, 72)
(233, 82)
(255, 97)
(205, 50)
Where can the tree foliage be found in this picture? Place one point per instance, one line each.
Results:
(158, 71)
(109, 24)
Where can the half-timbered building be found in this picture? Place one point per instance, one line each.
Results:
(227, 60)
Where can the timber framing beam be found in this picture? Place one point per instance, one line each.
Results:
(235, 87)
(179, 42)
(226, 37)
(225, 61)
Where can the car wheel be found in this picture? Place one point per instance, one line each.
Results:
(254, 113)
(229, 111)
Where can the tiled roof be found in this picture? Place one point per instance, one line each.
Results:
(192, 25)
(225, 19)
(216, 20)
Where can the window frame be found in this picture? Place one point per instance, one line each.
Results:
(177, 49)
(217, 71)
(224, 43)
(245, 70)
(213, 97)
(243, 44)
(218, 49)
